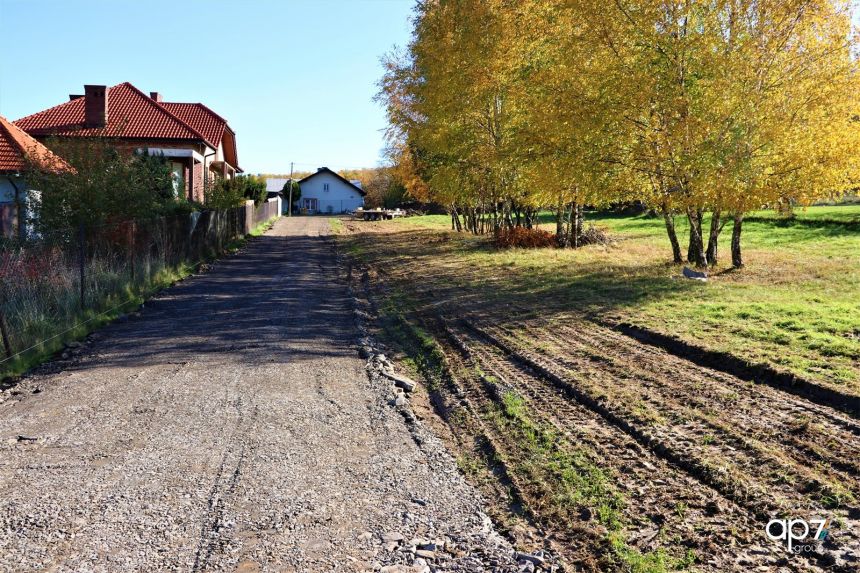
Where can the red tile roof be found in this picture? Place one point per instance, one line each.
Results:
(131, 114)
(201, 118)
(16, 146)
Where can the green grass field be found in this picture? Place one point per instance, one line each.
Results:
(796, 305)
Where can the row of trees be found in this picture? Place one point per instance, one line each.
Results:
(702, 109)
(382, 185)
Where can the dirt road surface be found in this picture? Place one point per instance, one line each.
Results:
(230, 427)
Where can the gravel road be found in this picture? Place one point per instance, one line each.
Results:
(232, 426)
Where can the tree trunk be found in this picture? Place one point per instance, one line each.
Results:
(713, 238)
(737, 258)
(568, 224)
(696, 249)
(560, 235)
(690, 254)
(673, 236)
(509, 220)
(575, 225)
(455, 219)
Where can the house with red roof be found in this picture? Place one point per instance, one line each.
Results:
(198, 142)
(18, 153)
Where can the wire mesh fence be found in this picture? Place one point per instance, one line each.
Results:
(57, 281)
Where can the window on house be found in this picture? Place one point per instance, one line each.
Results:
(325, 186)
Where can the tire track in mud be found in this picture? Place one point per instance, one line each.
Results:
(659, 498)
(745, 417)
(704, 462)
(575, 544)
(212, 538)
(784, 401)
(787, 382)
(761, 411)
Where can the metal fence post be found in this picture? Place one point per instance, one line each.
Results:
(132, 228)
(3, 332)
(82, 263)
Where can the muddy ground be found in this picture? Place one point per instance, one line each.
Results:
(618, 455)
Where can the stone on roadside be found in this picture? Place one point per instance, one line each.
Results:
(429, 546)
(392, 536)
(534, 559)
(401, 381)
(401, 569)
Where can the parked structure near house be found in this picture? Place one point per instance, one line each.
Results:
(327, 192)
(197, 141)
(18, 151)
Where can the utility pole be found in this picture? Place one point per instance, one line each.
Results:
(290, 206)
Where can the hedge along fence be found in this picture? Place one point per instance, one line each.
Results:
(62, 284)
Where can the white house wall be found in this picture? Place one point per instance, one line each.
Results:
(339, 198)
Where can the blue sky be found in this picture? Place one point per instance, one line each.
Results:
(294, 78)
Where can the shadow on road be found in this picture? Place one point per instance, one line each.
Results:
(280, 299)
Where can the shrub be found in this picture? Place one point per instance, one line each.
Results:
(521, 237)
(107, 184)
(227, 193)
(594, 236)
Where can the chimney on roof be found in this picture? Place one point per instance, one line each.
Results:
(73, 97)
(156, 96)
(95, 106)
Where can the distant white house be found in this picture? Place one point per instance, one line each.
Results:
(327, 192)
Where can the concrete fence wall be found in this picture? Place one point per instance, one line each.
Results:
(263, 212)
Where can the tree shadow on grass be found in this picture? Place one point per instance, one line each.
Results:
(800, 229)
(454, 274)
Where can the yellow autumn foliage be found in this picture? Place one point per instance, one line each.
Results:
(689, 107)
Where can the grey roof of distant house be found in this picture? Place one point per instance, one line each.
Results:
(276, 183)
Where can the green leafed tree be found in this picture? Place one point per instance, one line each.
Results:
(296, 191)
(106, 185)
